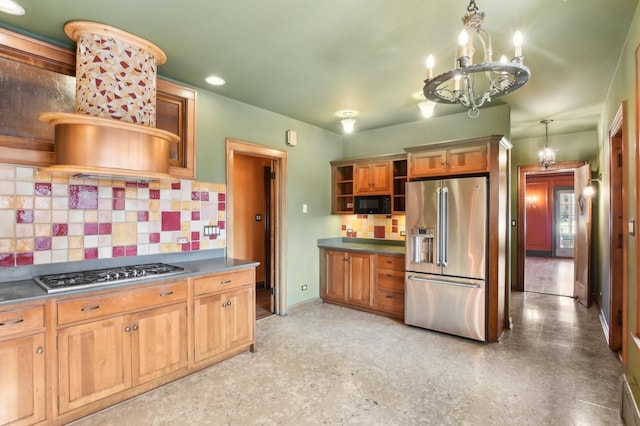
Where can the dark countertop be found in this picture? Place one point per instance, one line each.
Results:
(26, 290)
(363, 245)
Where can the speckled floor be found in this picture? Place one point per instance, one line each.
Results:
(333, 365)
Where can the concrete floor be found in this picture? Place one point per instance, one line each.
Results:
(332, 365)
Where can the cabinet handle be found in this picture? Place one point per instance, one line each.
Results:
(40, 351)
(12, 322)
(127, 329)
(225, 304)
(390, 262)
(225, 282)
(389, 296)
(135, 327)
(229, 303)
(166, 293)
(389, 276)
(90, 308)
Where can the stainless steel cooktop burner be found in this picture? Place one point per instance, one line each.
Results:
(83, 279)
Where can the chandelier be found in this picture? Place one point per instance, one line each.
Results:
(472, 84)
(546, 156)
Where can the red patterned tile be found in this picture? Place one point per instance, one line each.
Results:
(344, 227)
(221, 197)
(131, 251)
(43, 243)
(118, 204)
(204, 196)
(6, 260)
(59, 229)
(24, 259)
(90, 229)
(118, 192)
(43, 188)
(143, 216)
(170, 221)
(378, 232)
(195, 236)
(394, 222)
(175, 185)
(195, 215)
(195, 196)
(143, 185)
(221, 207)
(91, 253)
(24, 216)
(394, 229)
(186, 247)
(154, 237)
(221, 224)
(117, 251)
(104, 229)
(83, 197)
(195, 245)
(154, 194)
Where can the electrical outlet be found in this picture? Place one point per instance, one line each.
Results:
(304, 287)
(402, 233)
(183, 240)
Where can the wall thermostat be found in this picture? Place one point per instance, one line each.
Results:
(292, 137)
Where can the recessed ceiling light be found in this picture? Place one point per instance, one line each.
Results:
(11, 7)
(214, 80)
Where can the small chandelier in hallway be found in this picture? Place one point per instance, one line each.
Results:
(546, 156)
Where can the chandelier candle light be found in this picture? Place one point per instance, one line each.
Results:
(464, 84)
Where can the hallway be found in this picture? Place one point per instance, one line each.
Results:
(332, 365)
(550, 275)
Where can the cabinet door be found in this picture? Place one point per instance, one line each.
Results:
(359, 276)
(239, 317)
(468, 159)
(159, 342)
(373, 177)
(94, 361)
(333, 286)
(428, 163)
(22, 380)
(208, 334)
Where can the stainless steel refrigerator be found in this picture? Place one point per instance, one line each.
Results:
(446, 250)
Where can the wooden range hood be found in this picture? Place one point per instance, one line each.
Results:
(112, 134)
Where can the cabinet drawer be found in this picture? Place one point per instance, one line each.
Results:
(391, 302)
(109, 304)
(391, 262)
(390, 279)
(222, 282)
(21, 320)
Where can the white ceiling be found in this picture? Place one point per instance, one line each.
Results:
(308, 59)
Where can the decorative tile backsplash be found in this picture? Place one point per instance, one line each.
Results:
(50, 219)
(387, 227)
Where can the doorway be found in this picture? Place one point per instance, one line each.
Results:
(538, 266)
(256, 188)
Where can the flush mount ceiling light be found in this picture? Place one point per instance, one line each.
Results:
(214, 80)
(472, 84)
(546, 156)
(11, 7)
(348, 122)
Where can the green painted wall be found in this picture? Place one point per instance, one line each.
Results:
(308, 176)
(622, 90)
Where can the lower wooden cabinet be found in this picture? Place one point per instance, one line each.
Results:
(22, 366)
(361, 280)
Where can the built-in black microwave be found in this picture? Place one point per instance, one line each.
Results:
(372, 204)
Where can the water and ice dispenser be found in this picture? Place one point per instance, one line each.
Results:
(422, 245)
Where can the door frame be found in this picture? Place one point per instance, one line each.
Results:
(618, 274)
(278, 212)
(523, 171)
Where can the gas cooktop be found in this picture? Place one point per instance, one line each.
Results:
(84, 279)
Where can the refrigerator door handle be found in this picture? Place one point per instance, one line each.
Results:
(445, 226)
(439, 227)
(415, 278)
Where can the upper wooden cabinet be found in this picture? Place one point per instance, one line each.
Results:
(448, 159)
(383, 175)
(373, 178)
(40, 77)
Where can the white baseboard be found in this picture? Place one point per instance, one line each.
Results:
(628, 405)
